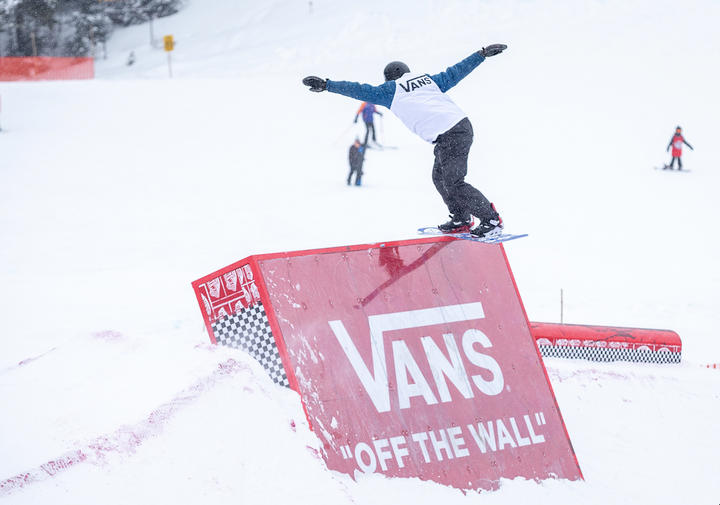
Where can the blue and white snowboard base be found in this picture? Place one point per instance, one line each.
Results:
(432, 230)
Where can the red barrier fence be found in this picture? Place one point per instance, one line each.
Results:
(44, 68)
(605, 343)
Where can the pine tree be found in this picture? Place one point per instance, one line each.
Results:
(30, 25)
(92, 27)
(133, 12)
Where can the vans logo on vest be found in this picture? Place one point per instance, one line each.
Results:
(417, 82)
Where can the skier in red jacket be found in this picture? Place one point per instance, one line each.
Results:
(677, 142)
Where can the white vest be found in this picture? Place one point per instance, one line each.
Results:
(423, 108)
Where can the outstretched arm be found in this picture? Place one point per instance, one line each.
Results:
(384, 94)
(456, 73)
(379, 95)
(686, 143)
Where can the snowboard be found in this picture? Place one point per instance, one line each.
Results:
(432, 230)
(667, 167)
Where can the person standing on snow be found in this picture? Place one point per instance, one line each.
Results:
(677, 142)
(368, 111)
(356, 156)
(420, 101)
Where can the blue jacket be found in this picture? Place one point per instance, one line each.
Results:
(367, 112)
(384, 94)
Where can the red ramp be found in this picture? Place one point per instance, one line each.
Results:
(413, 359)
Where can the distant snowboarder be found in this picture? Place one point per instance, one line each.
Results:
(368, 110)
(356, 158)
(676, 142)
(420, 101)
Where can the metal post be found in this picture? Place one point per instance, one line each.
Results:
(169, 65)
(561, 306)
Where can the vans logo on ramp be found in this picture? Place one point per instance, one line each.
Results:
(376, 383)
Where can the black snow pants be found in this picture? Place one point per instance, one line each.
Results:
(451, 157)
(356, 169)
(369, 126)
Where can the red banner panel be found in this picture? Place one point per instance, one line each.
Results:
(413, 358)
(606, 343)
(43, 68)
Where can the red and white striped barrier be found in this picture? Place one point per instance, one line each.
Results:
(606, 343)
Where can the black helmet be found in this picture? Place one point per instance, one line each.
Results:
(394, 70)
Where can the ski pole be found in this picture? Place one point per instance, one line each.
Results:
(343, 133)
(382, 131)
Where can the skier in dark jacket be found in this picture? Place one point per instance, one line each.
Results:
(677, 142)
(420, 101)
(356, 157)
(368, 110)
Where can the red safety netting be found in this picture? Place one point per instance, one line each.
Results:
(44, 68)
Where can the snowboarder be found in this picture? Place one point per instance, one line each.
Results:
(676, 142)
(420, 101)
(357, 156)
(368, 110)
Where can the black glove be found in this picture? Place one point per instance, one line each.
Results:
(668, 149)
(492, 50)
(355, 119)
(316, 84)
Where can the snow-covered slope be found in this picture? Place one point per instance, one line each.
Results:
(116, 193)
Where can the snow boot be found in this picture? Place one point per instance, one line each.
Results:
(489, 227)
(457, 225)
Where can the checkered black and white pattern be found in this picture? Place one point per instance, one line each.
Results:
(608, 354)
(249, 330)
